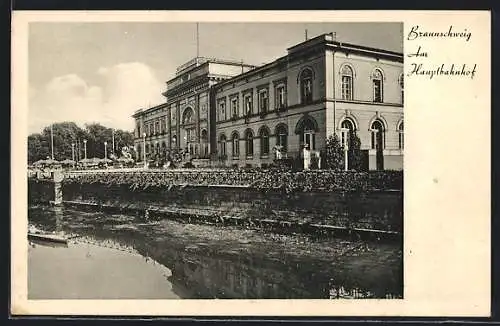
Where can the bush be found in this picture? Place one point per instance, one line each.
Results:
(289, 181)
(333, 153)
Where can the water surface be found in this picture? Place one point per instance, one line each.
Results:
(122, 256)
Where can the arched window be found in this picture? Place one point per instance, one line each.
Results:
(147, 149)
(347, 77)
(377, 130)
(236, 144)
(264, 141)
(249, 142)
(306, 128)
(378, 85)
(306, 90)
(282, 136)
(348, 131)
(187, 116)
(402, 86)
(401, 135)
(222, 142)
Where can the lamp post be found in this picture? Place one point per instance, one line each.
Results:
(144, 148)
(345, 137)
(113, 141)
(52, 139)
(105, 149)
(73, 151)
(85, 147)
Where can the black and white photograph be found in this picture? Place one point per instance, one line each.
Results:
(260, 163)
(215, 160)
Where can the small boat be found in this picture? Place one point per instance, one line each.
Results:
(47, 237)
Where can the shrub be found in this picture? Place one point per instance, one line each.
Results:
(333, 153)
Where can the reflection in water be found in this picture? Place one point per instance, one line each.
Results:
(90, 271)
(206, 261)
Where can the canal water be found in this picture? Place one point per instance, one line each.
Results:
(116, 256)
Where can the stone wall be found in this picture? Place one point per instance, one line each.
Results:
(40, 191)
(370, 210)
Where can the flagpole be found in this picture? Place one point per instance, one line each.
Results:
(197, 40)
(52, 139)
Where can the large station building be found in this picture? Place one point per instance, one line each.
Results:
(234, 114)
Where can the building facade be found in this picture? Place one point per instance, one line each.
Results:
(183, 122)
(319, 88)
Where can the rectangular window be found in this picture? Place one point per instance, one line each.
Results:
(263, 101)
(248, 105)
(280, 97)
(346, 88)
(234, 107)
(222, 111)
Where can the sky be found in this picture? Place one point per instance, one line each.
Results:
(103, 72)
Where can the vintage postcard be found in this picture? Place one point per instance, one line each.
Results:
(265, 163)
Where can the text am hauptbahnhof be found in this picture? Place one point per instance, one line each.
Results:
(234, 114)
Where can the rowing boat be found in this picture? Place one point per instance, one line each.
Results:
(47, 237)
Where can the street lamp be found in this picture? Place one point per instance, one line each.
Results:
(345, 137)
(113, 141)
(85, 147)
(73, 151)
(105, 150)
(144, 148)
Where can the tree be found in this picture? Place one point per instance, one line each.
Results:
(64, 134)
(98, 134)
(333, 153)
(67, 133)
(38, 148)
(123, 138)
(355, 155)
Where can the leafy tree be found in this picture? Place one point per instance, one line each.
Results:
(333, 153)
(354, 154)
(67, 133)
(38, 148)
(96, 136)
